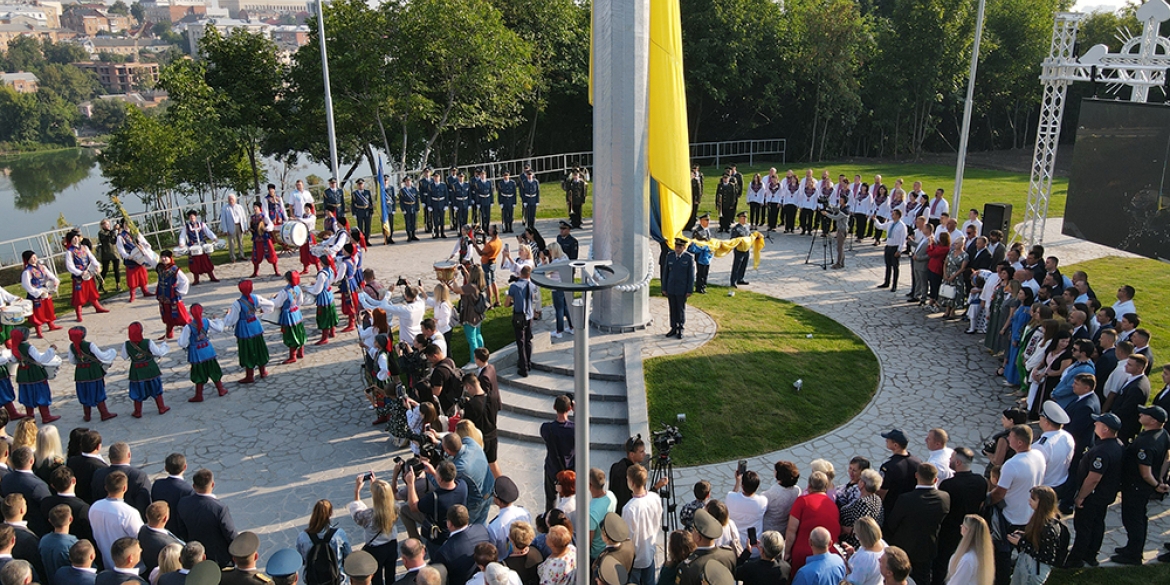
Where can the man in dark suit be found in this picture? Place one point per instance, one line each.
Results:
(138, 484)
(1141, 346)
(153, 536)
(996, 246)
(208, 520)
(63, 483)
(967, 491)
(87, 463)
(1132, 396)
(23, 481)
(171, 489)
(1163, 397)
(4, 447)
(915, 521)
(27, 544)
(458, 553)
(80, 570)
(1081, 416)
(413, 554)
(126, 553)
(678, 282)
(191, 555)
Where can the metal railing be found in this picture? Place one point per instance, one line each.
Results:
(739, 149)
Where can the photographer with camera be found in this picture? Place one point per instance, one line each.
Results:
(482, 411)
(444, 386)
(840, 215)
(430, 511)
(635, 455)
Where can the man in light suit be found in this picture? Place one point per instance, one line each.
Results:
(80, 570)
(138, 484)
(914, 523)
(919, 260)
(458, 553)
(208, 520)
(171, 489)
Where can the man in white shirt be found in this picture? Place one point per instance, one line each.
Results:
(298, 199)
(233, 221)
(643, 514)
(1124, 302)
(505, 494)
(973, 219)
(895, 241)
(745, 507)
(1018, 476)
(112, 518)
(1055, 443)
(940, 454)
(430, 329)
(410, 314)
(938, 207)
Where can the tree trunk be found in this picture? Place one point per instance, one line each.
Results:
(255, 169)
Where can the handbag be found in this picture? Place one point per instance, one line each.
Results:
(948, 291)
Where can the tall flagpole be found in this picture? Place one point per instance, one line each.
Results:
(328, 93)
(962, 163)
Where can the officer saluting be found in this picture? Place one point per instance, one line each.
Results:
(1143, 471)
(694, 570)
(1099, 479)
(243, 551)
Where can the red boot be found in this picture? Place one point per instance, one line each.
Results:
(28, 412)
(212, 277)
(46, 416)
(137, 409)
(324, 337)
(162, 407)
(146, 293)
(13, 414)
(292, 357)
(53, 326)
(263, 372)
(39, 336)
(198, 394)
(131, 297)
(196, 279)
(248, 379)
(222, 390)
(107, 415)
(87, 410)
(78, 314)
(301, 351)
(382, 420)
(332, 332)
(97, 306)
(256, 271)
(349, 327)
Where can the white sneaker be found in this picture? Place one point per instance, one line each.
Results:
(569, 331)
(556, 335)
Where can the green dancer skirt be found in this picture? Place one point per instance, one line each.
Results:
(326, 317)
(253, 352)
(294, 335)
(204, 371)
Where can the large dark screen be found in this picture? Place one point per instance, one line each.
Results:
(1117, 195)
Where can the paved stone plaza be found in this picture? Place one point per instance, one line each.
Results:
(304, 433)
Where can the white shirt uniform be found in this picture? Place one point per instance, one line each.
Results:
(112, 519)
(499, 527)
(937, 207)
(1020, 474)
(1057, 448)
(941, 459)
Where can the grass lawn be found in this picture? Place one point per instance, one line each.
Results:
(1151, 278)
(750, 369)
(1144, 575)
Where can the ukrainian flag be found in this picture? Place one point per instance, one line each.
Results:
(669, 141)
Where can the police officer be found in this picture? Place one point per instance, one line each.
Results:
(360, 566)
(483, 199)
(506, 187)
(334, 200)
(436, 205)
(1099, 479)
(389, 198)
(363, 207)
(461, 199)
(424, 195)
(244, 557)
(205, 573)
(283, 566)
(1143, 472)
(702, 254)
(568, 243)
(530, 196)
(678, 282)
(726, 199)
(408, 200)
(706, 530)
(615, 533)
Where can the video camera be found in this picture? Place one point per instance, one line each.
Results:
(665, 439)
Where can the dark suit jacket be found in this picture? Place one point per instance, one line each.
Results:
(1149, 353)
(1162, 398)
(914, 524)
(981, 260)
(999, 254)
(967, 491)
(172, 578)
(761, 572)
(408, 578)
(171, 490)
(80, 527)
(34, 491)
(72, 576)
(458, 553)
(1081, 332)
(28, 548)
(152, 543)
(111, 577)
(4, 470)
(1080, 421)
(487, 381)
(83, 469)
(137, 488)
(209, 521)
(1131, 397)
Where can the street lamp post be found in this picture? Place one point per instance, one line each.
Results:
(962, 162)
(328, 93)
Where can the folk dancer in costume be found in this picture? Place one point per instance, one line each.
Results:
(261, 226)
(136, 275)
(6, 299)
(200, 353)
(145, 376)
(32, 381)
(7, 392)
(808, 203)
(773, 197)
(82, 266)
(89, 374)
(408, 201)
(172, 285)
(862, 207)
(322, 289)
(506, 187)
(274, 210)
(39, 286)
(292, 327)
(309, 218)
(244, 316)
(347, 286)
(530, 195)
(197, 233)
(462, 252)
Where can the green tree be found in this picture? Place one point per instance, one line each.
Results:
(138, 12)
(24, 54)
(19, 119)
(63, 53)
(119, 7)
(108, 115)
(108, 57)
(55, 118)
(140, 158)
(71, 83)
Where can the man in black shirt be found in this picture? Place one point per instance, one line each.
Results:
(445, 384)
(447, 491)
(1143, 470)
(1098, 479)
(968, 491)
(898, 471)
(482, 411)
(635, 453)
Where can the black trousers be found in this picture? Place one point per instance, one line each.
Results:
(1134, 508)
(727, 215)
(106, 263)
(678, 311)
(701, 271)
(387, 556)
(1003, 557)
(575, 212)
(861, 225)
(522, 330)
(877, 234)
(410, 218)
(485, 215)
(460, 217)
(363, 221)
(807, 221)
(506, 213)
(789, 218)
(530, 215)
(773, 215)
(935, 280)
(755, 213)
(694, 216)
(739, 262)
(438, 227)
(893, 259)
(1089, 522)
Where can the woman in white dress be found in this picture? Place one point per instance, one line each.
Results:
(974, 561)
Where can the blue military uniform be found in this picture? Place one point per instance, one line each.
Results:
(703, 256)
(678, 281)
(461, 200)
(451, 181)
(408, 200)
(363, 208)
(483, 201)
(530, 196)
(334, 201)
(389, 198)
(569, 245)
(507, 198)
(424, 194)
(436, 205)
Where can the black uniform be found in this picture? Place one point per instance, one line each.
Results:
(1148, 449)
(575, 196)
(569, 246)
(408, 200)
(691, 570)
(507, 198)
(696, 198)
(424, 196)
(727, 198)
(1104, 458)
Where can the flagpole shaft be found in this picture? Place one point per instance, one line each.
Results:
(956, 197)
(328, 93)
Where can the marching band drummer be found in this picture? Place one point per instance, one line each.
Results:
(292, 327)
(309, 218)
(322, 290)
(197, 233)
(32, 381)
(89, 375)
(172, 285)
(244, 317)
(200, 353)
(82, 266)
(145, 376)
(261, 227)
(39, 286)
(136, 274)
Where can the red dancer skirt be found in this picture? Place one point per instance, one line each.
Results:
(173, 316)
(200, 264)
(43, 312)
(84, 292)
(349, 304)
(307, 257)
(136, 276)
(262, 251)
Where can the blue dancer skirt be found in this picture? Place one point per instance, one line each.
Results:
(145, 389)
(37, 394)
(91, 393)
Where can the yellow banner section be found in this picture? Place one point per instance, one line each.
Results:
(669, 144)
(721, 248)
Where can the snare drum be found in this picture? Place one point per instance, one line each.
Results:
(208, 248)
(179, 250)
(52, 367)
(147, 258)
(445, 271)
(319, 250)
(293, 234)
(195, 250)
(13, 315)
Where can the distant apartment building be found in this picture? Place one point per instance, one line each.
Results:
(89, 21)
(123, 77)
(47, 16)
(173, 10)
(122, 46)
(289, 37)
(12, 31)
(263, 7)
(225, 26)
(21, 81)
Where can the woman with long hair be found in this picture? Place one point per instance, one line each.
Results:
(378, 522)
(1016, 324)
(679, 546)
(25, 435)
(73, 448)
(470, 315)
(48, 453)
(1038, 543)
(1057, 358)
(440, 303)
(321, 529)
(560, 304)
(755, 201)
(467, 430)
(974, 560)
(168, 562)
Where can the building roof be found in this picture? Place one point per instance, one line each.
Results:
(18, 76)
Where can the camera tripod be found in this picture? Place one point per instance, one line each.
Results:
(663, 467)
(827, 252)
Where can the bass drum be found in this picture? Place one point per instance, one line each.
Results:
(147, 258)
(293, 234)
(208, 248)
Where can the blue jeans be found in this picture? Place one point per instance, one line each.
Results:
(647, 576)
(474, 338)
(562, 309)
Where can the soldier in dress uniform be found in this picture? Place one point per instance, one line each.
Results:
(696, 195)
(678, 282)
(424, 195)
(706, 530)
(360, 566)
(530, 196)
(435, 206)
(1098, 479)
(506, 187)
(461, 200)
(726, 199)
(568, 243)
(483, 199)
(390, 199)
(204, 573)
(575, 197)
(619, 551)
(334, 199)
(244, 557)
(702, 254)
(363, 207)
(408, 201)
(283, 566)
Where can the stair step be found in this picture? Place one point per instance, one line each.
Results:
(525, 428)
(538, 405)
(551, 384)
(605, 361)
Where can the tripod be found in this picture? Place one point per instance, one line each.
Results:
(826, 253)
(663, 467)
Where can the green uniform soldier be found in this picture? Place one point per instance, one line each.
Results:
(360, 566)
(694, 570)
(204, 573)
(244, 557)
